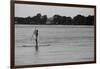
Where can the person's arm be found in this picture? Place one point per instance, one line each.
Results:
(32, 35)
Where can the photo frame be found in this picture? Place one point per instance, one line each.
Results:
(52, 34)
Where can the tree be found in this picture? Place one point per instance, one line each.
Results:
(57, 19)
(90, 20)
(69, 21)
(79, 20)
(37, 18)
(44, 19)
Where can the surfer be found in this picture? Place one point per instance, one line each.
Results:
(36, 38)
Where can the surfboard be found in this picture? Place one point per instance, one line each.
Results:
(32, 45)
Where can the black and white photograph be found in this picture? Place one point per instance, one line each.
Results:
(50, 34)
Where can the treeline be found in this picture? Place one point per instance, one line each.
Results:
(55, 20)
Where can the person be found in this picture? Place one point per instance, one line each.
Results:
(36, 38)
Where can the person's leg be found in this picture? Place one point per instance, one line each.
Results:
(36, 44)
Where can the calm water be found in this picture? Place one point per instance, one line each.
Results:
(57, 44)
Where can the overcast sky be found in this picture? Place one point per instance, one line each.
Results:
(24, 10)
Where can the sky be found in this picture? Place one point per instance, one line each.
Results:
(25, 10)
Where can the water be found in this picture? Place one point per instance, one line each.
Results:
(57, 44)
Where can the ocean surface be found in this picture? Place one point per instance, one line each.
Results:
(57, 44)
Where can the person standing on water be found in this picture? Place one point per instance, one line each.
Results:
(36, 38)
